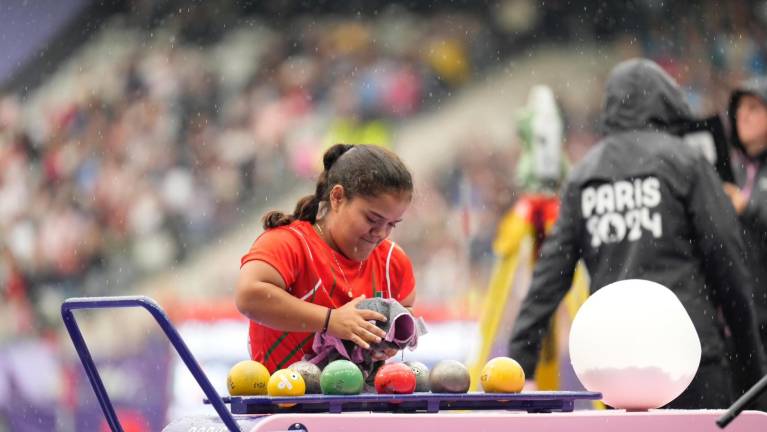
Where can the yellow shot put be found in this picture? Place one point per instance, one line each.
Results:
(247, 378)
(286, 382)
(502, 375)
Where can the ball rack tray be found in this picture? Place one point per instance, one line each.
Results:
(245, 405)
(537, 401)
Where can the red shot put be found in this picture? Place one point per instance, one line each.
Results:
(395, 378)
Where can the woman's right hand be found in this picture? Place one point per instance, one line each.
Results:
(350, 323)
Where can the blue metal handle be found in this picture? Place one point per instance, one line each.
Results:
(173, 336)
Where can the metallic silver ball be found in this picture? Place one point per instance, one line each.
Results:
(449, 376)
(310, 372)
(421, 375)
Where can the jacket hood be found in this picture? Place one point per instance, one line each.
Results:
(640, 95)
(755, 87)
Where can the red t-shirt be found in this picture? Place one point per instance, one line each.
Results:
(307, 265)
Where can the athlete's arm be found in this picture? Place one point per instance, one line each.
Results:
(261, 296)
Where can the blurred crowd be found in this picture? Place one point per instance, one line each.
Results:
(710, 51)
(166, 148)
(708, 47)
(210, 113)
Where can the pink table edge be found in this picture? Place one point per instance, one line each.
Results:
(496, 421)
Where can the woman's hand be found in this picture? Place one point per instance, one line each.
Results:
(350, 323)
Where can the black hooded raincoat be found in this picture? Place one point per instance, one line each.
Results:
(642, 204)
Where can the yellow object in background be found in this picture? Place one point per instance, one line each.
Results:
(448, 58)
(247, 378)
(502, 375)
(510, 278)
(548, 368)
(347, 130)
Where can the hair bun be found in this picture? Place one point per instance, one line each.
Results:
(333, 153)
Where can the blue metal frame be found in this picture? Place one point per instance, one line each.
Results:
(173, 336)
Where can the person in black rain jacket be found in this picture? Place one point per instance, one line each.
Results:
(748, 118)
(643, 204)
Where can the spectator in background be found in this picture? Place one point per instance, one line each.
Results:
(16, 305)
(689, 227)
(748, 117)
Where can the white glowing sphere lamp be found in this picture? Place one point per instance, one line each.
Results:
(634, 342)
